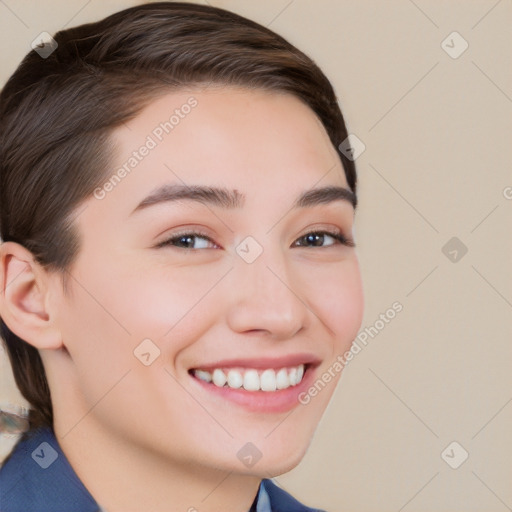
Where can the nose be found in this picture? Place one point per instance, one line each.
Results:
(266, 297)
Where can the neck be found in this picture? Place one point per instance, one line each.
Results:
(123, 477)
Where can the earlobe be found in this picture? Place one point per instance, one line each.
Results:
(23, 299)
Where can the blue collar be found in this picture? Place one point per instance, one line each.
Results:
(38, 477)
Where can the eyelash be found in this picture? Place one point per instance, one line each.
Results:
(336, 235)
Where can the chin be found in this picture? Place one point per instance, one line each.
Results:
(278, 460)
(271, 469)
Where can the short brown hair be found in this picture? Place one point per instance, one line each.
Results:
(57, 115)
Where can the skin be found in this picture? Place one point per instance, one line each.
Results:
(142, 437)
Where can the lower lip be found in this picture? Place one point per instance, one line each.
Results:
(262, 401)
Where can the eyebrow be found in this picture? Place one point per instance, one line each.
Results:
(230, 199)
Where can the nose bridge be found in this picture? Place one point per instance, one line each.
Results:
(265, 297)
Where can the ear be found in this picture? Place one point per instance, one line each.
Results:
(24, 297)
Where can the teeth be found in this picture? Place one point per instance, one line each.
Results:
(218, 377)
(293, 376)
(253, 380)
(282, 379)
(206, 376)
(268, 380)
(235, 379)
(300, 373)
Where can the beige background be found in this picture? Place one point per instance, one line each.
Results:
(437, 165)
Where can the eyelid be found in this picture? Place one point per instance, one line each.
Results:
(336, 233)
(334, 227)
(187, 231)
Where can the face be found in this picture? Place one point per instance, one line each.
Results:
(210, 259)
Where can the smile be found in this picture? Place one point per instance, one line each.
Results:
(251, 379)
(259, 385)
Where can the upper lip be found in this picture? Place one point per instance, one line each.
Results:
(261, 363)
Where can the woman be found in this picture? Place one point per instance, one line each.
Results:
(178, 266)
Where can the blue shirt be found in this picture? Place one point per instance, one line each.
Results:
(37, 477)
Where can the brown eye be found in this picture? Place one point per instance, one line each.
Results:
(323, 239)
(189, 240)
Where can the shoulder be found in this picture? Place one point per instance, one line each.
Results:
(281, 501)
(37, 477)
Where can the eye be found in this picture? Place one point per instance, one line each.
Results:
(196, 240)
(189, 240)
(323, 239)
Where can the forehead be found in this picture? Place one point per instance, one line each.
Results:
(227, 132)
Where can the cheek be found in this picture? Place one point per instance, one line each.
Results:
(163, 302)
(341, 303)
(146, 300)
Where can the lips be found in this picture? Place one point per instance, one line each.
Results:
(258, 385)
